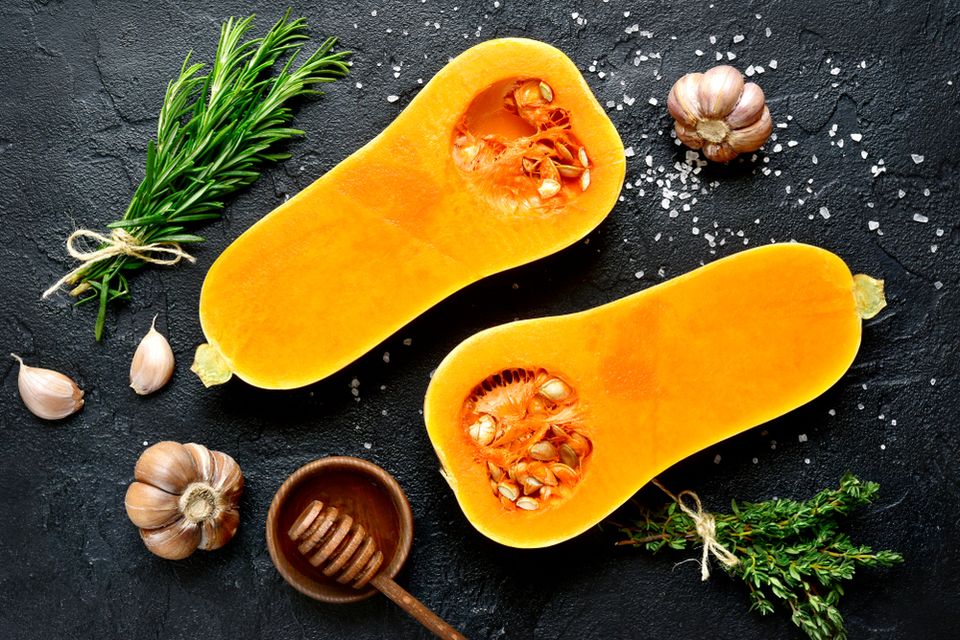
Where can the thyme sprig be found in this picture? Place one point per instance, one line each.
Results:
(788, 551)
(215, 132)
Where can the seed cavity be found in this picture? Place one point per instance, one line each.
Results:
(530, 436)
(535, 165)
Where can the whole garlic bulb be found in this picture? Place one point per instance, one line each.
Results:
(184, 498)
(152, 363)
(716, 112)
(48, 394)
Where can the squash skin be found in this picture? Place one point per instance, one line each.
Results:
(395, 228)
(662, 374)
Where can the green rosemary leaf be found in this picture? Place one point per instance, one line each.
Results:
(216, 129)
(791, 552)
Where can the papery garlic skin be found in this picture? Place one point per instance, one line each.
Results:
(152, 363)
(48, 394)
(719, 114)
(184, 498)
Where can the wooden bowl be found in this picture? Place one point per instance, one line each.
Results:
(360, 488)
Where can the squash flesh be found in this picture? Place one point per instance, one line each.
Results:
(661, 374)
(395, 228)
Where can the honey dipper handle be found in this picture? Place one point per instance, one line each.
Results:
(415, 608)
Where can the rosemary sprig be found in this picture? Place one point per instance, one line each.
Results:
(788, 551)
(215, 132)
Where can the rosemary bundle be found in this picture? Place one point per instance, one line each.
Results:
(215, 132)
(786, 551)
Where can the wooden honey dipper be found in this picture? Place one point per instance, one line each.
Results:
(333, 540)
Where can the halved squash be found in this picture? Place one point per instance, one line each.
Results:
(543, 427)
(504, 157)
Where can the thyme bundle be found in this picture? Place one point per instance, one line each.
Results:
(787, 551)
(215, 132)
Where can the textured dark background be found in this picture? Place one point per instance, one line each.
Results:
(80, 85)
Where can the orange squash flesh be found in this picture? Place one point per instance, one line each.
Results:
(407, 220)
(660, 375)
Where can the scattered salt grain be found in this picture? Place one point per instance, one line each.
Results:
(653, 101)
(825, 213)
(738, 38)
(367, 445)
(392, 98)
(716, 459)
(773, 64)
(386, 357)
(917, 158)
(802, 437)
(873, 225)
(629, 152)
(901, 193)
(835, 71)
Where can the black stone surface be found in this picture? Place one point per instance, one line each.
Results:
(80, 85)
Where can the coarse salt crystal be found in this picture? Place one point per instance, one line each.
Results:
(392, 98)
(773, 64)
(802, 437)
(856, 137)
(917, 158)
(738, 38)
(825, 212)
(873, 225)
(629, 152)
(901, 193)
(653, 101)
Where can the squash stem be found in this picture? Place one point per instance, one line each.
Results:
(868, 293)
(210, 366)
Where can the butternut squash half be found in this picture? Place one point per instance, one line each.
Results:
(543, 427)
(504, 157)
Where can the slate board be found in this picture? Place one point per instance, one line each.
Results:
(80, 85)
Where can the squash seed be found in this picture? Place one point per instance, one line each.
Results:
(569, 171)
(496, 473)
(582, 155)
(483, 430)
(555, 389)
(546, 492)
(565, 474)
(548, 188)
(546, 91)
(531, 485)
(543, 450)
(579, 443)
(508, 490)
(563, 152)
(558, 432)
(528, 504)
(568, 456)
(585, 180)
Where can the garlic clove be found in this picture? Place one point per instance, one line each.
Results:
(721, 152)
(228, 480)
(688, 136)
(719, 91)
(48, 394)
(175, 541)
(152, 363)
(218, 531)
(752, 137)
(150, 507)
(749, 109)
(683, 100)
(203, 462)
(166, 465)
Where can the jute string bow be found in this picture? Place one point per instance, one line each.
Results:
(118, 243)
(706, 527)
